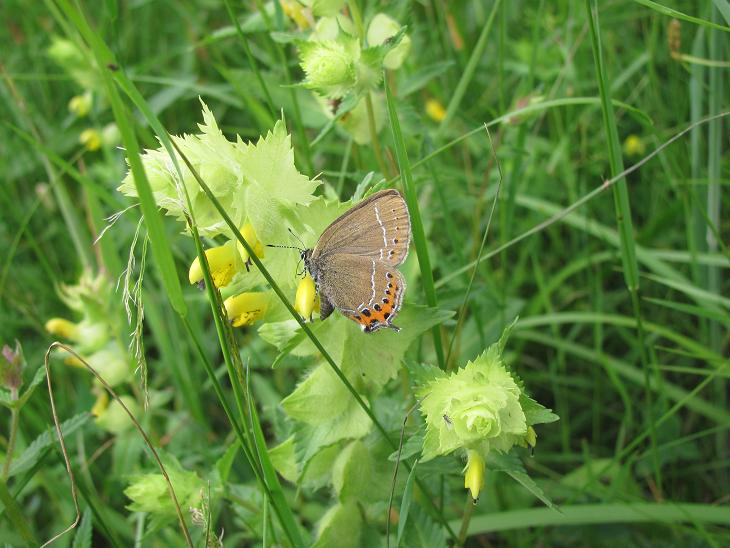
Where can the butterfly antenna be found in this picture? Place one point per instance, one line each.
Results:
(285, 246)
(297, 237)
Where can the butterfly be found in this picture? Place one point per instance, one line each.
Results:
(354, 262)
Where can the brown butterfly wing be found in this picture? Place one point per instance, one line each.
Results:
(366, 290)
(378, 228)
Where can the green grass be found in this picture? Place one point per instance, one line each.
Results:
(619, 276)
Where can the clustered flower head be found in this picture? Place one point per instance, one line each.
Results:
(342, 68)
(95, 337)
(257, 185)
(478, 409)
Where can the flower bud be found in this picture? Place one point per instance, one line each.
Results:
(80, 105)
(330, 65)
(249, 234)
(304, 302)
(474, 474)
(91, 139)
(63, 328)
(11, 368)
(634, 146)
(381, 29)
(222, 263)
(435, 110)
(246, 308)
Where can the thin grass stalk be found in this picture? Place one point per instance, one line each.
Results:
(135, 422)
(597, 514)
(160, 244)
(564, 212)
(251, 438)
(77, 231)
(623, 215)
(283, 62)
(664, 10)
(468, 74)
(356, 14)
(462, 309)
(251, 61)
(305, 328)
(419, 233)
(714, 190)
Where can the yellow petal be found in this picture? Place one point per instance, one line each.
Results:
(63, 328)
(249, 234)
(91, 139)
(102, 402)
(222, 264)
(305, 297)
(246, 308)
(474, 473)
(435, 110)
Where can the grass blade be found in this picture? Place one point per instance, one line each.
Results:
(419, 234)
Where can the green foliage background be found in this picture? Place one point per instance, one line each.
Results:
(623, 326)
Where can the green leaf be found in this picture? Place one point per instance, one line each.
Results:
(352, 473)
(405, 505)
(536, 413)
(38, 377)
(371, 361)
(513, 466)
(82, 538)
(340, 526)
(150, 492)
(224, 464)
(422, 531)
(35, 450)
(351, 423)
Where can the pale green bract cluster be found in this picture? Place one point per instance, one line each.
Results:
(250, 181)
(481, 407)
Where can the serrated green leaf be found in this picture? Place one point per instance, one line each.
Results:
(34, 451)
(512, 466)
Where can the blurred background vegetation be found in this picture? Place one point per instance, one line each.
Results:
(623, 329)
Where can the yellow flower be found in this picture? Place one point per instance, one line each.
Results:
(296, 12)
(222, 263)
(246, 308)
(80, 105)
(306, 298)
(102, 402)
(531, 437)
(63, 328)
(249, 234)
(435, 110)
(474, 473)
(91, 139)
(634, 146)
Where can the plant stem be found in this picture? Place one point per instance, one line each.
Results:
(466, 518)
(14, 416)
(375, 140)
